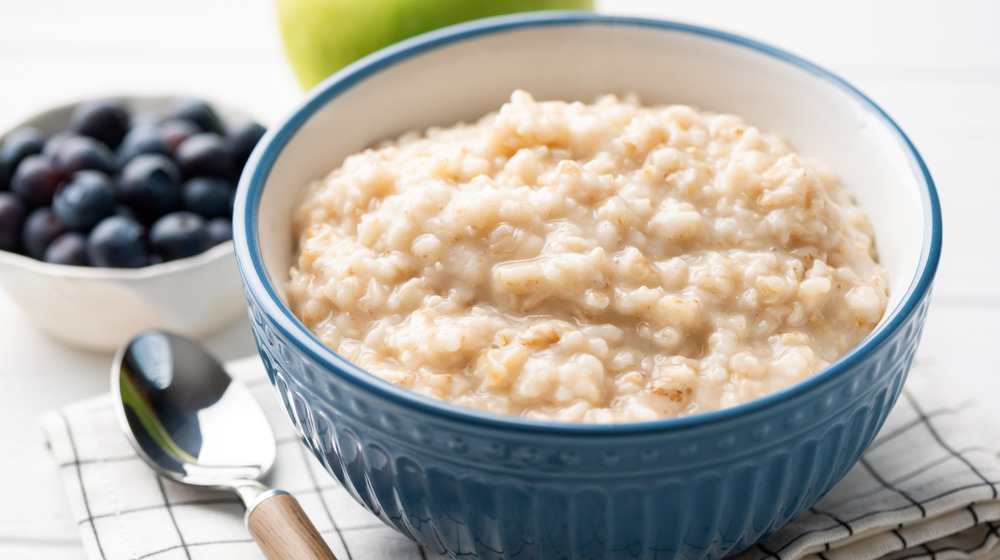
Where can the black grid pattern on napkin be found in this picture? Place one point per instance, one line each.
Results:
(169, 520)
(927, 488)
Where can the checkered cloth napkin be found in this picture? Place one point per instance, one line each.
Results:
(927, 488)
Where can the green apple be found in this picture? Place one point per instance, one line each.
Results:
(322, 36)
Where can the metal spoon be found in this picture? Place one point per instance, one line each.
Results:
(194, 424)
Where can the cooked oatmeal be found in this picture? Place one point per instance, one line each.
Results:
(597, 263)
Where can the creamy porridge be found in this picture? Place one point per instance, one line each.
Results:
(597, 263)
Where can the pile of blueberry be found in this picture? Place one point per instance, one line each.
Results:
(123, 190)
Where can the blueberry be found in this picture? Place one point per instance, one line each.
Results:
(18, 145)
(12, 213)
(117, 242)
(220, 230)
(241, 140)
(106, 120)
(41, 227)
(206, 196)
(4, 177)
(86, 199)
(36, 180)
(174, 132)
(203, 155)
(198, 112)
(178, 235)
(69, 248)
(151, 185)
(76, 153)
(127, 211)
(55, 142)
(141, 139)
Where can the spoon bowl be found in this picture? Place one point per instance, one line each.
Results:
(180, 406)
(194, 424)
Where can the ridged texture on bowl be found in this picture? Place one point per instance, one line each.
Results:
(704, 491)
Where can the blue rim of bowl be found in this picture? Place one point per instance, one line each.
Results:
(264, 156)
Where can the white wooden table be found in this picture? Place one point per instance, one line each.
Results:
(934, 67)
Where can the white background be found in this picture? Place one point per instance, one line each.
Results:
(934, 66)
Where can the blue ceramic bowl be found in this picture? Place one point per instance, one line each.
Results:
(465, 482)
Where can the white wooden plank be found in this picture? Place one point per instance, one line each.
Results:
(960, 338)
(41, 550)
(902, 36)
(224, 50)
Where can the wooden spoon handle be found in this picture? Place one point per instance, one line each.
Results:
(283, 531)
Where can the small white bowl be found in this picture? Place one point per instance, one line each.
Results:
(96, 309)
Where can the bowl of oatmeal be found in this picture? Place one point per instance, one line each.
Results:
(581, 286)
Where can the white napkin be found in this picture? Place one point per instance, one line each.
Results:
(927, 488)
